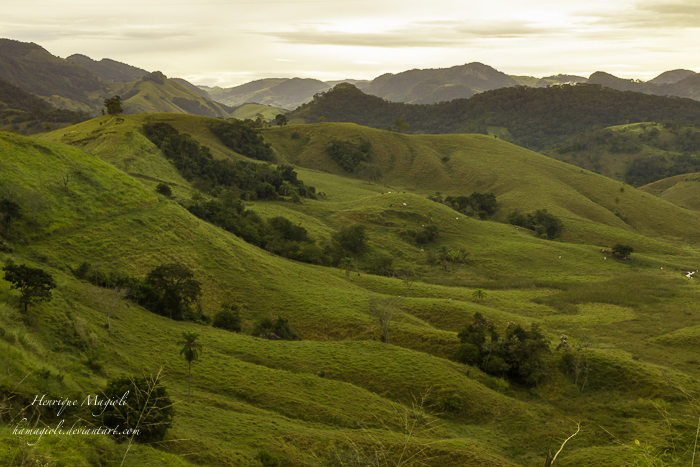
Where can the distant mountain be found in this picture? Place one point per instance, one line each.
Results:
(672, 77)
(192, 87)
(156, 93)
(558, 80)
(434, 85)
(35, 70)
(276, 92)
(109, 70)
(536, 118)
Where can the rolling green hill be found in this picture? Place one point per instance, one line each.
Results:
(156, 93)
(536, 118)
(340, 390)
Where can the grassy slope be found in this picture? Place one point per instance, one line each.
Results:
(681, 190)
(233, 408)
(252, 110)
(150, 96)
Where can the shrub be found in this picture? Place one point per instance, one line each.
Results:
(278, 329)
(228, 318)
(623, 251)
(147, 407)
(468, 354)
(164, 190)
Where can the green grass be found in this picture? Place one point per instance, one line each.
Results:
(340, 384)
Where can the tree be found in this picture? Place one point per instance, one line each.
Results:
(443, 255)
(228, 318)
(114, 105)
(384, 310)
(321, 120)
(408, 277)
(478, 295)
(191, 349)
(623, 251)
(10, 210)
(352, 239)
(400, 125)
(108, 298)
(176, 288)
(347, 264)
(34, 284)
(281, 120)
(148, 407)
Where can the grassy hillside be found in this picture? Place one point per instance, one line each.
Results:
(340, 387)
(155, 93)
(252, 110)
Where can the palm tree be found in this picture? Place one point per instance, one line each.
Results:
(191, 351)
(443, 255)
(478, 295)
(347, 264)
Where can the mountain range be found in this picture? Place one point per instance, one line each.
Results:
(81, 83)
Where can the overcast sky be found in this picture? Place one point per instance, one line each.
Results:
(230, 42)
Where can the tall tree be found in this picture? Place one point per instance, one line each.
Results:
(34, 284)
(10, 211)
(176, 288)
(191, 349)
(281, 120)
(114, 105)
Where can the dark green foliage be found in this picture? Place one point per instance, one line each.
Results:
(644, 170)
(518, 354)
(175, 290)
(148, 408)
(18, 106)
(347, 154)
(10, 210)
(623, 251)
(164, 190)
(267, 459)
(468, 354)
(483, 205)
(425, 235)
(277, 329)
(196, 164)
(278, 235)
(537, 118)
(33, 284)
(280, 120)
(546, 225)
(113, 105)
(243, 138)
(381, 265)
(352, 239)
(228, 318)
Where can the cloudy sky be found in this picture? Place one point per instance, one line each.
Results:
(230, 42)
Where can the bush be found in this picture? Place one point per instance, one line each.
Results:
(546, 225)
(623, 251)
(267, 459)
(148, 408)
(278, 329)
(228, 318)
(164, 190)
(468, 354)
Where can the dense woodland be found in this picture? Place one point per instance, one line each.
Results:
(537, 118)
